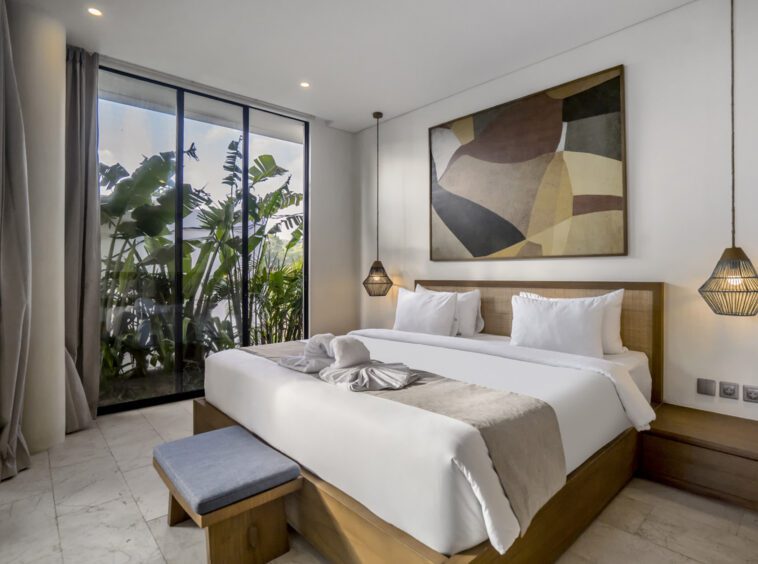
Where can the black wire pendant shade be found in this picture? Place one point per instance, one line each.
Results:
(377, 283)
(732, 289)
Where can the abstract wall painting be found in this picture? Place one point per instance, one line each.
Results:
(541, 176)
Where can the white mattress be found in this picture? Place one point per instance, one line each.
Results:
(635, 361)
(429, 475)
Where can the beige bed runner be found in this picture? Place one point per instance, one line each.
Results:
(275, 351)
(521, 432)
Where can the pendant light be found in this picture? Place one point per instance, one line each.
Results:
(732, 289)
(377, 283)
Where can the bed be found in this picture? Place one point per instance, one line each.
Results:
(392, 483)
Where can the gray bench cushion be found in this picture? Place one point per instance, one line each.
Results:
(215, 469)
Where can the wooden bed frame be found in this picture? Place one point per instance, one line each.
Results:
(343, 530)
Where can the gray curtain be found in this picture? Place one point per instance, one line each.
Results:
(82, 245)
(15, 264)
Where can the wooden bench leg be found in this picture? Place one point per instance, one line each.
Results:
(253, 537)
(176, 513)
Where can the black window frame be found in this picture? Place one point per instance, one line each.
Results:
(179, 235)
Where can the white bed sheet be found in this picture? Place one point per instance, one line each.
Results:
(635, 361)
(427, 474)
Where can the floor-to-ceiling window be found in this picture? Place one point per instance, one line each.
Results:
(202, 241)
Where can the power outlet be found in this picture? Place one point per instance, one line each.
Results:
(729, 390)
(750, 393)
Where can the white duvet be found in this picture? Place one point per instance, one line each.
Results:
(427, 474)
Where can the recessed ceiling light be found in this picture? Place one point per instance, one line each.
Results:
(94, 12)
(305, 84)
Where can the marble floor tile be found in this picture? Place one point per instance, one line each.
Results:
(570, 557)
(625, 513)
(603, 544)
(79, 447)
(171, 421)
(34, 481)
(182, 544)
(111, 532)
(87, 484)
(124, 427)
(723, 516)
(28, 531)
(749, 527)
(698, 535)
(137, 452)
(174, 432)
(148, 491)
(186, 405)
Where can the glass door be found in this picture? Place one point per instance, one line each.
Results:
(137, 138)
(203, 246)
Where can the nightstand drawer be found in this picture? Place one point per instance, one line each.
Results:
(702, 470)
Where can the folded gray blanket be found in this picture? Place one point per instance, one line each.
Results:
(371, 376)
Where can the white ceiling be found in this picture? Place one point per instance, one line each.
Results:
(358, 55)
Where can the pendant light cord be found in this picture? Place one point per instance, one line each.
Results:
(732, 95)
(377, 189)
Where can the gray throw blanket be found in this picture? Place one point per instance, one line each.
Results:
(371, 376)
(361, 377)
(521, 432)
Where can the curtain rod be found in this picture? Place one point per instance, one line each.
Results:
(199, 87)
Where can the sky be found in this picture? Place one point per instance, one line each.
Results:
(126, 133)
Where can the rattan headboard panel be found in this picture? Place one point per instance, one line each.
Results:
(641, 311)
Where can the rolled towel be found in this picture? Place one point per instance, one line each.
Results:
(319, 346)
(327, 350)
(370, 376)
(316, 356)
(349, 351)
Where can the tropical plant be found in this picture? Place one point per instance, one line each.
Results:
(138, 220)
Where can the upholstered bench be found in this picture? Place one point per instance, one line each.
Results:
(233, 485)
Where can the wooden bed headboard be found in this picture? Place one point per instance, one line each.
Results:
(641, 311)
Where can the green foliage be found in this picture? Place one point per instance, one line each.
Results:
(138, 217)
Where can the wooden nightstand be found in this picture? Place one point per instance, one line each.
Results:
(703, 452)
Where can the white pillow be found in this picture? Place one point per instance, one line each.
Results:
(425, 313)
(569, 326)
(611, 303)
(468, 314)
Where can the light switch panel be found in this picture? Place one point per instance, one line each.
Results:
(706, 387)
(729, 390)
(750, 393)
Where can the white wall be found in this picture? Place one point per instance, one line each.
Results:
(677, 104)
(39, 54)
(334, 276)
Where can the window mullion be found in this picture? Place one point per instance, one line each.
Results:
(245, 234)
(178, 246)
